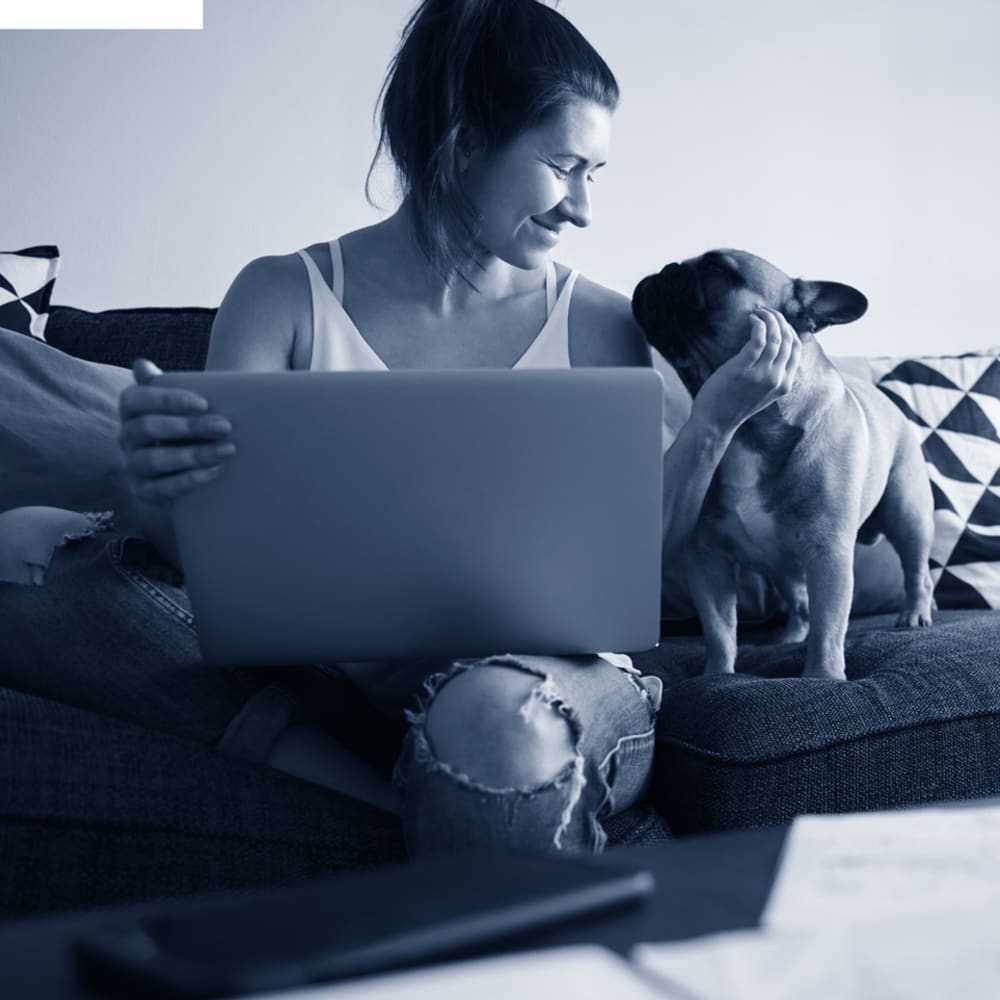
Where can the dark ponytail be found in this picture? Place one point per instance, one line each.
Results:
(482, 68)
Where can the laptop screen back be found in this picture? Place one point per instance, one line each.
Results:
(384, 515)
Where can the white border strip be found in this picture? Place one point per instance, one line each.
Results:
(101, 14)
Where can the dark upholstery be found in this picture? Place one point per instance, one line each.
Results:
(917, 721)
(171, 338)
(95, 810)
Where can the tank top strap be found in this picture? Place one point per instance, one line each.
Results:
(550, 349)
(337, 345)
(337, 264)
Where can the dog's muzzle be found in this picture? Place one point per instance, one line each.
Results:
(668, 306)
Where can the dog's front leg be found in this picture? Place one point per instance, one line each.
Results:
(712, 582)
(830, 583)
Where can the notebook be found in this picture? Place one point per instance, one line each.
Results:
(403, 514)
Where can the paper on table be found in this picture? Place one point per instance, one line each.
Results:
(872, 865)
(584, 972)
(916, 957)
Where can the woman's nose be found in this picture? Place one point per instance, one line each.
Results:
(576, 204)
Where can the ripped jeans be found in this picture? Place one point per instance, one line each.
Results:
(97, 620)
(610, 716)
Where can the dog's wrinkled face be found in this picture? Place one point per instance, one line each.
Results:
(697, 313)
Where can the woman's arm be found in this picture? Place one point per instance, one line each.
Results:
(171, 443)
(604, 332)
(763, 371)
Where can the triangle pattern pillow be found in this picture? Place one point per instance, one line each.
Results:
(26, 281)
(953, 404)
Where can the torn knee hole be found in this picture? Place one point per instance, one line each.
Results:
(502, 728)
(30, 535)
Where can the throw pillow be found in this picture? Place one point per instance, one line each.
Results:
(59, 431)
(954, 405)
(26, 281)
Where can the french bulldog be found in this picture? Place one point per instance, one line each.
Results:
(831, 462)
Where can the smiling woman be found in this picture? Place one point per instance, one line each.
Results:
(478, 79)
(496, 115)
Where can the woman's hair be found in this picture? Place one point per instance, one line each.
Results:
(481, 71)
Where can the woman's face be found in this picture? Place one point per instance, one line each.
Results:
(528, 190)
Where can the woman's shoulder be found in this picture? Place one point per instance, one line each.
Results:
(264, 315)
(603, 330)
(272, 273)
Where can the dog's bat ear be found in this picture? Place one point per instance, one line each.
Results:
(825, 303)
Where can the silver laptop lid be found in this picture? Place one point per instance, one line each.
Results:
(383, 515)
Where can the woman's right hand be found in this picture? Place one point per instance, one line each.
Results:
(170, 441)
(762, 372)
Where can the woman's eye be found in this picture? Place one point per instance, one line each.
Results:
(560, 172)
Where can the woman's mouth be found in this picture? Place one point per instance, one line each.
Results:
(550, 233)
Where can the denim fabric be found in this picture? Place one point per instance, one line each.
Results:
(917, 721)
(110, 631)
(611, 721)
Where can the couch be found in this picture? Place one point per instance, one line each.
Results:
(97, 809)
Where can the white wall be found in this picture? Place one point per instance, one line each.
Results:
(856, 140)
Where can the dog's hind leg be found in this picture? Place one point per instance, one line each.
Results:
(712, 581)
(907, 519)
(795, 594)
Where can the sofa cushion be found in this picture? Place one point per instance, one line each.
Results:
(174, 339)
(917, 721)
(59, 431)
(98, 811)
(26, 280)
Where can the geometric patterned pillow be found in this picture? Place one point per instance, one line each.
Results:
(953, 404)
(26, 281)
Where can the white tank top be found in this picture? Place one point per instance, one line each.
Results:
(339, 346)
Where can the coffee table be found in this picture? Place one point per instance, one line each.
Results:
(704, 884)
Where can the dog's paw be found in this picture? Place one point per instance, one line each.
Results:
(914, 619)
(825, 673)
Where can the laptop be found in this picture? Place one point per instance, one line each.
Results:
(408, 514)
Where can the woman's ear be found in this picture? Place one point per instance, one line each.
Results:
(466, 143)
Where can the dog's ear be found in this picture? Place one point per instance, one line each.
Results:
(825, 303)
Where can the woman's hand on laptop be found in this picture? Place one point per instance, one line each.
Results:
(170, 441)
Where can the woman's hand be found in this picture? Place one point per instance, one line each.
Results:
(171, 443)
(762, 372)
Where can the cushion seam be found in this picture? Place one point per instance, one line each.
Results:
(715, 755)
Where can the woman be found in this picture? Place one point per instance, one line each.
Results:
(497, 117)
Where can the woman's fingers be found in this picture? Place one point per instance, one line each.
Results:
(170, 441)
(141, 431)
(138, 399)
(164, 489)
(144, 371)
(756, 342)
(781, 347)
(773, 335)
(148, 462)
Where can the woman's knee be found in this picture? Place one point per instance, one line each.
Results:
(30, 535)
(501, 726)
